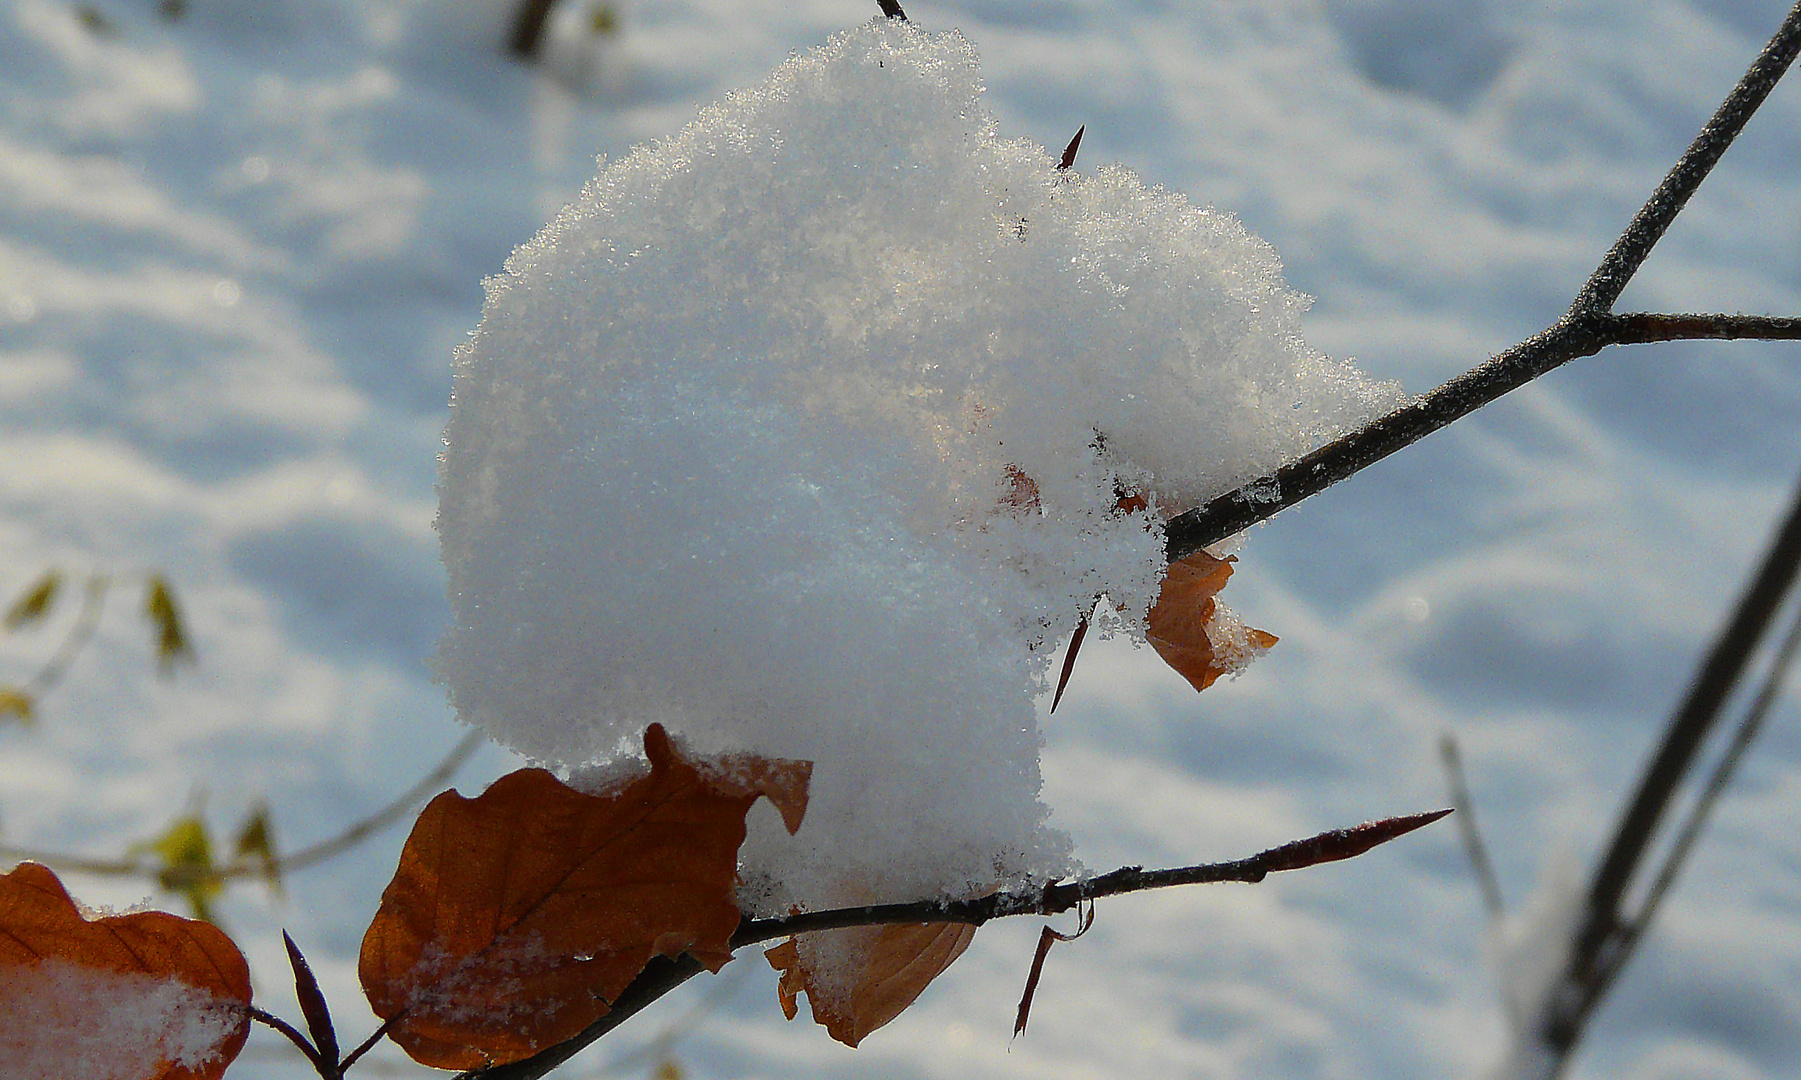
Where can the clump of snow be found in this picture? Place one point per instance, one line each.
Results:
(731, 451)
(1530, 951)
(60, 1020)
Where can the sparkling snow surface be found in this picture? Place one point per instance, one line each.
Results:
(730, 452)
(238, 250)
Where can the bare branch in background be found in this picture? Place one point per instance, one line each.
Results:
(1473, 847)
(529, 20)
(1604, 940)
(261, 867)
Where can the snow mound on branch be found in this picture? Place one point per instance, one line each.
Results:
(734, 449)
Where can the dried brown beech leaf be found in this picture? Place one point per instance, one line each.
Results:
(895, 964)
(83, 996)
(515, 917)
(1192, 632)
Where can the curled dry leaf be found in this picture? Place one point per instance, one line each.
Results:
(894, 965)
(1192, 632)
(1189, 628)
(149, 995)
(515, 917)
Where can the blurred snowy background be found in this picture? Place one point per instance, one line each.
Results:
(239, 238)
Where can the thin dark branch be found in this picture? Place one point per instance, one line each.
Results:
(1585, 329)
(369, 1044)
(529, 20)
(1629, 251)
(294, 1036)
(892, 9)
(1717, 782)
(664, 974)
(661, 1046)
(1576, 335)
(1056, 898)
(1238, 510)
(1600, 935)
(1480, 865)
(1640, 328)
(381, 819)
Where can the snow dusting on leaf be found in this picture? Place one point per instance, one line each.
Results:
(144, 996)
(1193, 632)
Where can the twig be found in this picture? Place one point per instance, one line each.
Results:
(529, 20)
(1480, 865)
(1723, 772)
(662, 1045)
(1639, 328)
(1587, 328)
(1629, 251)
(293, 1035)
(369, 1044)
(305, 857)
(381, 819)
(1056, 898)
(81, 631)
(1582, 984)
(1576, 335)
(664, 974)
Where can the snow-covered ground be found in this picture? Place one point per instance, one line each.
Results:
(237, 248)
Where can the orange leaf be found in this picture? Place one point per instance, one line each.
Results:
(889, 966)
(515, 917)
(149, 995)
(1192, 632)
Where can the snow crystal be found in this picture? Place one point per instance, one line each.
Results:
(734, 449)
(61, 1020)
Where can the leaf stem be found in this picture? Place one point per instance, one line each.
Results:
(294, 1036)
(369, 1044)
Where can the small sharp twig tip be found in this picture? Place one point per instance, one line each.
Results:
(1343, 843)
(1069, 152)
(1069, 661)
